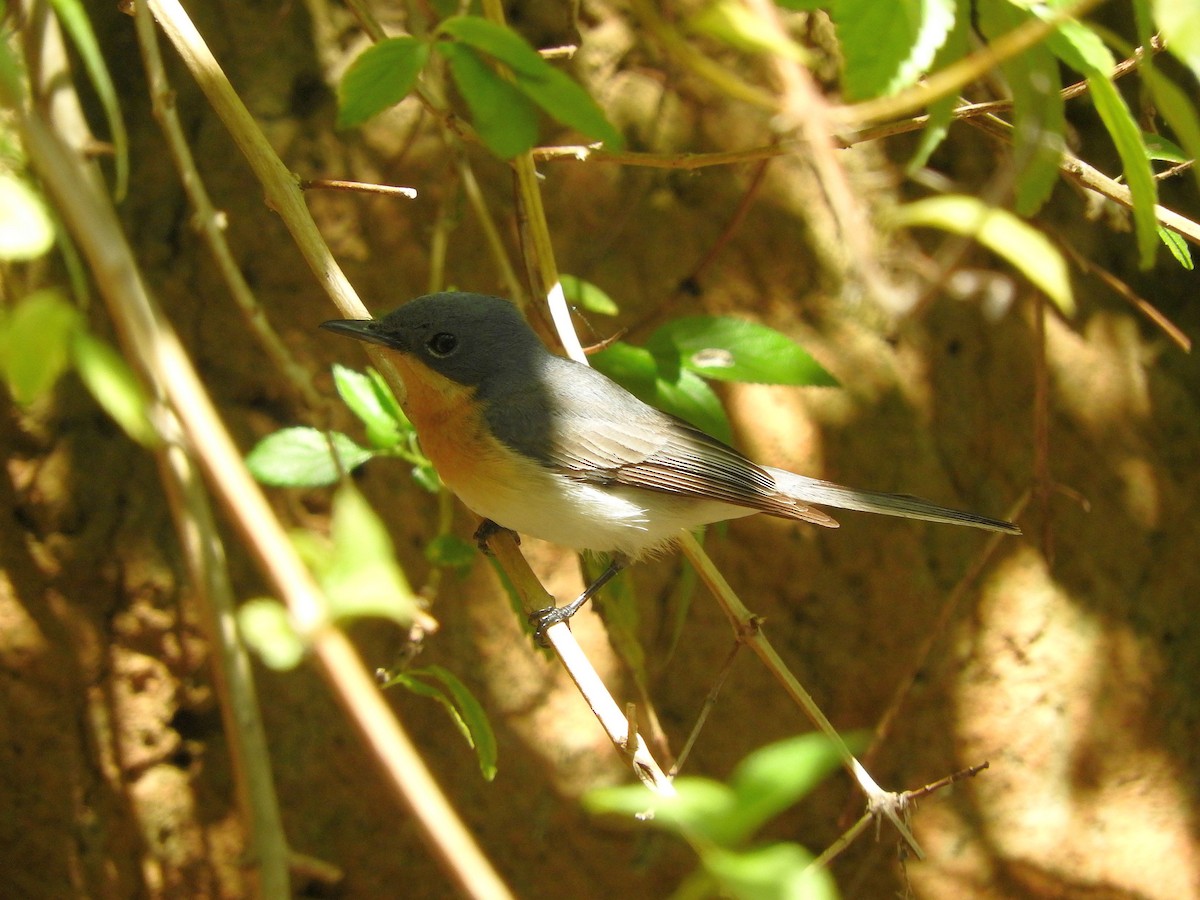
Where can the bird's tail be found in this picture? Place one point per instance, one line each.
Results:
(826, 493)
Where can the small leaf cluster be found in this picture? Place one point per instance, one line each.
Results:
(720, 821)
(306, 457)
(503, 81)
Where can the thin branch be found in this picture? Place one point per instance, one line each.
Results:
(508, 556)
(362, 187)
(208, 220)
(747, 628)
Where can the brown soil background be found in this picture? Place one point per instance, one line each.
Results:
(1071, 664)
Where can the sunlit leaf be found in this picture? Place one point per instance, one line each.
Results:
(587, 296)
(775, 872)
(360, 393)
(729, 349)
(379, 78)
(267, 628)
(1179, 21)
(26, 231)
(888, 46)
(1178, 246)
(956, 46)
(302, 457)
(464, 709)
(114, 385)
(38, 335)
(1027, 249)
(363, 577)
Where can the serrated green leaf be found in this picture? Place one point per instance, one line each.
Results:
(301, 457)
(941, 110)
(774, 777)
(1179, 22)
(359, 392)
(1178, 246)
(465, 710)
(26, 231)
(267, 628)
(38, 339)
(553, 90)
(110, 380)
(729, 349)
(362, 577)
(1039, 112)
(387, 400)
(381, 76)
(888, 46)
(1026, 249)
(736, 25)
(75, 22)
(504, 117)
(587, 296)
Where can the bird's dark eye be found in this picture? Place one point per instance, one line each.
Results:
(442, 344)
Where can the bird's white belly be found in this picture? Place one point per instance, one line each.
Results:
(555, 508)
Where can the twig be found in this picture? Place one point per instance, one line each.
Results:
(206, 217)
(362, 187)
(747, 628)
(533, 597)
(710, 702)
(1093, 179)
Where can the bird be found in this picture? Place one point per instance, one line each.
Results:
(549, 447)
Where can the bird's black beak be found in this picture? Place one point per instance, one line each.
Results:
(362, 329)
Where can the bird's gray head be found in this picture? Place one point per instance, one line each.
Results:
(465, 337)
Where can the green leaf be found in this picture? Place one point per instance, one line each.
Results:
(1081, 49)
(1159, 149)
(888, 46)
(379, 78)
(729, 349)
(1178, 247)
(774, 777)
(360, 393)
(465, 711)
(698, 806)
(1039, 112)
(551, 89)
(587, 296)
(734, 24)
(301, 457)
(1179, 22)
(450, 551)
(775, 872)
(1027, 249)
(362, 577)
(1176, 107)
(267, 628)
(75, 22)
(504, 117)
(26, 231)
(941, 110)
(38, 337)
(388, 400)
(118, 391)
(664, 384)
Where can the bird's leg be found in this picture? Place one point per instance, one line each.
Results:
(541, 619)
(484, 532)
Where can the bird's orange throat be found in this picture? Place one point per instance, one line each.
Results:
(448, 420)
